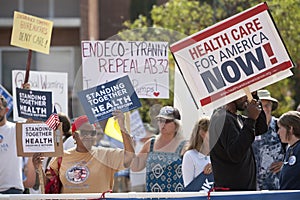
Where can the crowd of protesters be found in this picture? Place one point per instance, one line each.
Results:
(252, 151)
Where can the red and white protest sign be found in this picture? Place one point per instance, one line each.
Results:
(244, 50)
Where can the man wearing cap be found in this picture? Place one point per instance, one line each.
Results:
(267, 148)
(99, 164)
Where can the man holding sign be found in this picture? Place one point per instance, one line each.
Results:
(89, 169)
(231, 137)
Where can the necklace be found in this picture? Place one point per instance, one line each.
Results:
(291, 159)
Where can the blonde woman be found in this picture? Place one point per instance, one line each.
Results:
(196, 159)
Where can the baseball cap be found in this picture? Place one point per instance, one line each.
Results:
(169, 112)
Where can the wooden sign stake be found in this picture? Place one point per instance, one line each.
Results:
(248, 93)
(28, 66)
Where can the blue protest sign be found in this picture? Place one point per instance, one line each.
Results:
(34, 104)
(8, 98)
(99, 102)
(202, 182)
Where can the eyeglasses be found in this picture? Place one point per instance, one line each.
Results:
(85, 133)
(165, 121)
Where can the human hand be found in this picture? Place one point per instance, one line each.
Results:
(37, 160)
(207, 169)
(26, 86)
(254, 109)
(119, 115)
(275, 167)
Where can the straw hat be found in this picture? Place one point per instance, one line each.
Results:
(266, 95)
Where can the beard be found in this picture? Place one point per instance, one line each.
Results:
(1, 118)
(241, 105)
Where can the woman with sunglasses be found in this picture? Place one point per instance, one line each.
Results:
(162, 154)
(97, 165)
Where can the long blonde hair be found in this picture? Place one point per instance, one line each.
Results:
(196, 139)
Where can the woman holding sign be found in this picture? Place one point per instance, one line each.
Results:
(196, 165)
(89, 169)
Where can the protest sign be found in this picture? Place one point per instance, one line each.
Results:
(8, 98)
(34, 104)
(99, 102)
(38, 138)
(137, 128)
(55, 82)
(145, 62)
(31, 32)
(244, 50)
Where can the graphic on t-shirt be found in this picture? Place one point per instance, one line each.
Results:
(77, 174)
(3, 144)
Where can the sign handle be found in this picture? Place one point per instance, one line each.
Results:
(248, 93)
(28, 66)
(41, 178)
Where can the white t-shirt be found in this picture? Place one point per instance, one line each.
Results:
(138, 178)
(11, 167)
(193, 164)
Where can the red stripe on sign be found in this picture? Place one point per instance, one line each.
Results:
(245, 83)
(218, 28)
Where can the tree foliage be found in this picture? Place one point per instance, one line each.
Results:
(190, 16)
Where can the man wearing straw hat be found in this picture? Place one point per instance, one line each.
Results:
(267, 148)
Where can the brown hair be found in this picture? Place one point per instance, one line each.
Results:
(66, 125)
(288, 120)
(196, 139)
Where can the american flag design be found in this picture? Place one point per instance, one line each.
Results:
(53, 120)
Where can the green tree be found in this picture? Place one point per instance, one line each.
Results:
(190, 16)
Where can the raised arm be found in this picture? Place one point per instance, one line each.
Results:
(127, 139)
(139, 162)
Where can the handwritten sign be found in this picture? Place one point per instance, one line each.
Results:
(137, 128)
(145, 62)
(55, 82)
(38, 138)
(8, 98)
(244, 50)
(31, 32)
(99, 102)
(34, 104)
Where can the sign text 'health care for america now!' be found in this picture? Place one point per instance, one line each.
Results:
(242, 51)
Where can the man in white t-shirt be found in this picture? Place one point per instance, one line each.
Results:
(11, 172)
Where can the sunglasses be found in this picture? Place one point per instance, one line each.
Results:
(165, 121)
(85, 133)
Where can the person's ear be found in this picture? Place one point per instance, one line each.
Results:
(292, 130)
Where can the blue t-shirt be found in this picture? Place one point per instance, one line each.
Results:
(290, 172)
